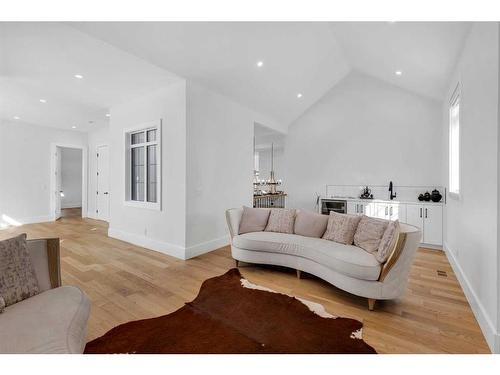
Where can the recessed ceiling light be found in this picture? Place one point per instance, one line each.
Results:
(108, 115)
(299, 95)
(17, 118)
(398, 72)
(260, 64)
(43, 101)
(91, 122)
(79, 76)
(73, 127)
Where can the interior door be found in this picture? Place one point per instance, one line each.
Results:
(102, 198)
(58, 189)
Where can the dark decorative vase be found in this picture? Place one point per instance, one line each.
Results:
(427, 196)
(436, 196)
(421, 197)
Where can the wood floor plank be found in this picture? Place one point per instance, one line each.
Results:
(127, 282)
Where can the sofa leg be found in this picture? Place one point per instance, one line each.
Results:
(371, 303)
(237, 263)
(299, 273)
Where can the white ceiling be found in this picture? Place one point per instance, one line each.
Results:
(425, 52)
(298, 58)
(121, 60)
(39, 61)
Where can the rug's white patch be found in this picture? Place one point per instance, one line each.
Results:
(316, 308)
(357, 334)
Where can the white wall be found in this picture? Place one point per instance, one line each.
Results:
(98, 136)
(470, 228)
(219, 165)
(71, 177)
(25, 155)
(364, 131)
(159, 230)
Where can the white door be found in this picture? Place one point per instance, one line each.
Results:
(433, 224)
(58, 187)
(102, 197)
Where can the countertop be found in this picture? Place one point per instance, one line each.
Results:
(375, 200)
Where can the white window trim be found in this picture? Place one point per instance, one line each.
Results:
(126, 151)
(456, 95)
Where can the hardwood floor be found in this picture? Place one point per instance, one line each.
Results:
(126, 282)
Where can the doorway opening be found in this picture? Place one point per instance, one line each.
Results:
(68, 181)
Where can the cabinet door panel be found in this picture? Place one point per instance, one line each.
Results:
(369, 209)
(352, 208)
(381, 211)
(397, 212)
(433, 224)
(415, 216)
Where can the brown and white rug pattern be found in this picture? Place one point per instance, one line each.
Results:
(232, 315)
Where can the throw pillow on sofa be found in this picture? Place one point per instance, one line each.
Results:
(17, 275)
(253, 219)
(369, 233)
(388, 241)
(310, 224)
(341, 228)
(281, 220)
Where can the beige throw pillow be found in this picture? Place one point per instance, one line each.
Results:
(388, 241)
(281, 220)
(341, 228)
(310, 224)
(369, 233)
(253, 219)
(17, 275)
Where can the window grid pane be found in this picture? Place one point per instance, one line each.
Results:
(136, 138)
(151, 174)
(137, 174)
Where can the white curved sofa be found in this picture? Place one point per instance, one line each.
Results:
(346, 266)
(53, 321)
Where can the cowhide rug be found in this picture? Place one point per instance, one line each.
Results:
(231, 315)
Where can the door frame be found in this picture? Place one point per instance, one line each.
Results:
(97, 179)
(53, 183)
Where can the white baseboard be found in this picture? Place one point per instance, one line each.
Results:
(487, 327)
(168, 248)
(205, 247)
(149, 243)
(26, 220)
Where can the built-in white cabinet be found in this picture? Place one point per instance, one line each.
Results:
(429, 218)
(360, 208)
(390, 211)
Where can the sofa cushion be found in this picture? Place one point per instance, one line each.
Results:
(17, 275)
(54, 321)
(310, 224)
(253, 219)
(345, 259)
(369, 233)
(341, 228)
(281, 220)
(388, 241)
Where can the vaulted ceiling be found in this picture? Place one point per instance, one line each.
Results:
(119, 60)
